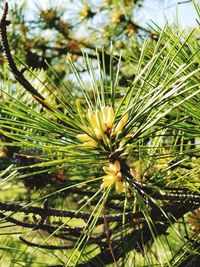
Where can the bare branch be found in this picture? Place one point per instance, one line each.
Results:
(65, 213)
(50, 247)
(46, 227)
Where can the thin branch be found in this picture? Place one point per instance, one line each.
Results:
(50, 247)
(18, 75)
(65, 213)
(151, 194)
(136, 239)
(45, 227)
(106, 225)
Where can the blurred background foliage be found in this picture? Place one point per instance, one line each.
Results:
(47, 33)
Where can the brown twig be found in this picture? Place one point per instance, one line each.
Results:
(18, 74)
(66, 213)
(152, 194)
(163, 217)
(46, 227)
(106, 225)
(49, 247)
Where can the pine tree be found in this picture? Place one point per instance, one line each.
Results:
(105, 170)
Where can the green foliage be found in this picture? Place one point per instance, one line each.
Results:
(104, 172)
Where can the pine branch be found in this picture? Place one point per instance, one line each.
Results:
(162, 217)
(63, 213)
(151, 193)
(49, 247)
(41, 226)
(18, 74)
